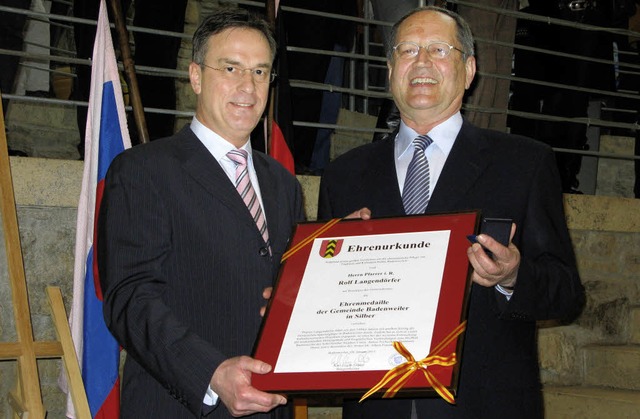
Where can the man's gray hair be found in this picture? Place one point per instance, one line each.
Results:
(464, 35)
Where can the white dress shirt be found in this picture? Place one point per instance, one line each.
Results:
(443, 136)
(219, 147)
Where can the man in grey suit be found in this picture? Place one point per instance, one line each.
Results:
(431, 64)
(183, 259)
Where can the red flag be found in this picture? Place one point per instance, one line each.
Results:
(279, 149)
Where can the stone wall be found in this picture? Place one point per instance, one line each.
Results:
(47, 194)
(606, 237)
(606, 234)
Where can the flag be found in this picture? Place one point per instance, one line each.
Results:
(281, 128)
(106, 136)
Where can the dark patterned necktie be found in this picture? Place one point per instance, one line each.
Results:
(246, 191)
(415, 195)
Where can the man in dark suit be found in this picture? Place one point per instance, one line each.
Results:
(431, 64)
(183, 260)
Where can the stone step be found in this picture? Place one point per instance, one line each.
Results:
(613, 366)
(43, 113)
(39, 141)
(634, 326)
(345, 140)
(615, 176)
(324, 413)
(590, 402)
(43, 129)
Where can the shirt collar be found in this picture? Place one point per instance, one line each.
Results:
(443, 135)
(217, 146)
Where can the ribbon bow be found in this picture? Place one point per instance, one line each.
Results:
(403, 372)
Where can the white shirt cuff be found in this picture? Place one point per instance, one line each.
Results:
(210, 397)
(507, 293)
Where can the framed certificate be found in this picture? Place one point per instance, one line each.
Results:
(348, 289)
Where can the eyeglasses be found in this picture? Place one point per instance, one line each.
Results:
(259, 75)
(436, 50)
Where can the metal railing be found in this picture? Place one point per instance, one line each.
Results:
(362, 60)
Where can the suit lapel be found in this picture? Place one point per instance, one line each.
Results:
(466, 162)
(269, 194)
(203, 167)
(382, 174)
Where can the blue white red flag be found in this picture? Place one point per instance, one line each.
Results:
(106, 136)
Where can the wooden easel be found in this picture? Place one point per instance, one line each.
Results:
(26, 399)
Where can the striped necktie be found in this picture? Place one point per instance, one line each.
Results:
(246, 191)
(415, 195)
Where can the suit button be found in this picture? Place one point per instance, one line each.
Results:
(263, 251)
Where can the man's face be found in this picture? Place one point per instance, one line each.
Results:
(230, 105)
(427, 90)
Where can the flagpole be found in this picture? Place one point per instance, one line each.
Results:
(271, 13)
(130, 71)
(270, 7)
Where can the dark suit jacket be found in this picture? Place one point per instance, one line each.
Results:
(183, 266)
(504, 176)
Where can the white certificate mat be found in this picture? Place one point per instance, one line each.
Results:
(353, 304)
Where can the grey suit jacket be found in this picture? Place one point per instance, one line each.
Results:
(503, 176)
(183, 266)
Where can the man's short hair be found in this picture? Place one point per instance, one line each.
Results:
(226, 18)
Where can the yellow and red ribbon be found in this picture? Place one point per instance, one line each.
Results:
(403, 372)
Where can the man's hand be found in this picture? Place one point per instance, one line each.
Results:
(363, 213)
(266, 294)
(231, 381)
(501, 269)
